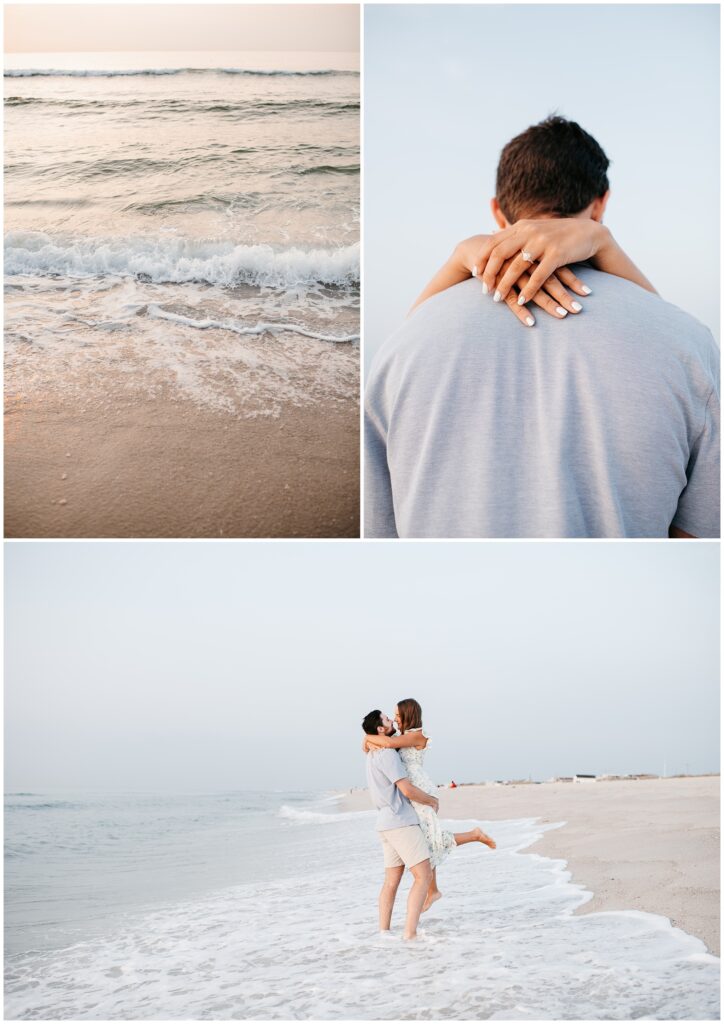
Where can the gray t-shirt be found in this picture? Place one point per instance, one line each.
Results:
(605, 424)
(384, 769)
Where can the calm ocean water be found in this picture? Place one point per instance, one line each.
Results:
(183, 224)
(263, 905)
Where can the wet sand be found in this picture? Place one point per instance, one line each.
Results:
(165, 468)
(645, 844)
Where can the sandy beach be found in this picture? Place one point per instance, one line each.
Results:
(643, 844)
(164, 468)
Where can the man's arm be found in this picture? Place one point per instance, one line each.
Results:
(379, 511)
(418, 795)
(697, 513)
(676, 534)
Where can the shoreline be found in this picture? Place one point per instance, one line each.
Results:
(648, 844)
(165, 468)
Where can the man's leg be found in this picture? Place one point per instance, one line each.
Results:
(422, 875)
(387, 895)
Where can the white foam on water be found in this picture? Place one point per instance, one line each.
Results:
(312, 817)
(98, 342)
(502, 944)
(179, 260)
(154, 310)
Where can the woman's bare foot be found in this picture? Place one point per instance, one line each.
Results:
(431, 898)
(484, 838)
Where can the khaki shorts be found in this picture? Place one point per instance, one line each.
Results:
(404, 846)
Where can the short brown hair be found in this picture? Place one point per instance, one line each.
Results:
(410, 714)
(371, 722)
(554, 168)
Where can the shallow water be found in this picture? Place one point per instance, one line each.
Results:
(193, 229)
(264, 905)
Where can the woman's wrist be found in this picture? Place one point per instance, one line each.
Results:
(606, 244)
(465, 252)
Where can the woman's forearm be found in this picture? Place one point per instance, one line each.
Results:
(611, 259)
(458, 268)
(405, 739)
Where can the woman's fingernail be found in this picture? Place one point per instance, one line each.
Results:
(561, 311)
(497, 297)
(475, 271)
(577, 306)
(521, 299)
(485, 288)
(585, 289)
(530, 321)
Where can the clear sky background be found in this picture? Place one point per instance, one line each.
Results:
(198, 667)
(447, 86)
(44, 28)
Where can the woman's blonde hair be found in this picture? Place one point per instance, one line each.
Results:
(410, 714)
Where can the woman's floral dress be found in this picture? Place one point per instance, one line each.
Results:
(438, 839)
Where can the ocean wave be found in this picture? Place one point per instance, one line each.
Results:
(330, 169)
(179, 261)
(263, 327)
(49, 805)
(252, 72)
(186, 106)
(308, 817)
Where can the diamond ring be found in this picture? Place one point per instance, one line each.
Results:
(526, 256)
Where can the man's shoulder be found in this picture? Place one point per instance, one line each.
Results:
(450, 314)
(389, 753)
(384, 756)
(461, 317)
(446, 307)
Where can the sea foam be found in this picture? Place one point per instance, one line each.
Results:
(262, 327)
(502, 944)
(179, 260)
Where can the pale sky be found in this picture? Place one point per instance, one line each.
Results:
(50, 28)
(446, 87)
(205, 667)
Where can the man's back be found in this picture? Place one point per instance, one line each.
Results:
(605, 424)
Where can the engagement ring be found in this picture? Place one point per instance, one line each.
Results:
(526, 256)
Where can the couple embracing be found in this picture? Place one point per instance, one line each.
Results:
(407, 822)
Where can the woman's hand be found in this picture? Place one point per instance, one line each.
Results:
(547, 245)
(553, 297)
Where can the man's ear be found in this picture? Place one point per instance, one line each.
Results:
(598, 206)
(499, 216)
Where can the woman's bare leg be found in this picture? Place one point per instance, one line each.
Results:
(475, 835)
(433, 893)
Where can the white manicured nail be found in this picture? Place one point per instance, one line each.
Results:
(561, 311)
(485, 288)
(577, 306)
(585, 289)
(530, 321)
(521, 299)
(497, 297)
(475, 271)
